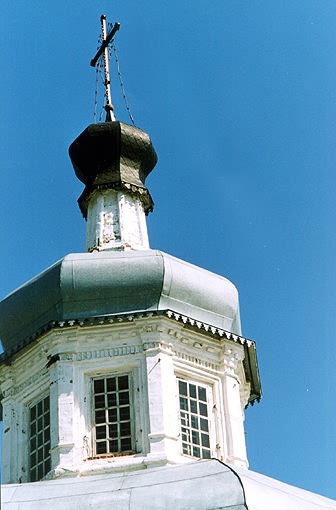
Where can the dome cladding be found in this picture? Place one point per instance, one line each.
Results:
(113, 155)
(85, 285)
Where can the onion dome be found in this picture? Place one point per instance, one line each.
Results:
(113, 155)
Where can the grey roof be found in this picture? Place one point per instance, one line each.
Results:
(265, 493)
(84, 285)
(200, 485)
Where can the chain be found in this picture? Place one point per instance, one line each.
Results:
(100, 66)
(122, 83)
(96, 98)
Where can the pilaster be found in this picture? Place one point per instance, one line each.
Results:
(9, 412)
(161, 384)
(233, 412)
(62, 416)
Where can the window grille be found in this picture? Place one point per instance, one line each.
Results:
(40, 460)
(194, 418)
(112, 416)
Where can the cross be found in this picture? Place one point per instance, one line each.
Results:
(103, 50)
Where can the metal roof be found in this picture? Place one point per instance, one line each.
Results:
(199, 485)
(113, 155)
(85, 285)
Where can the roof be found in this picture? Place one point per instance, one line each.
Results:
(86, 285)
(199, 485)
(113, 155)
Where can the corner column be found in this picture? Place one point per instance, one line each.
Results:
(233, 412)
(62, 416)
(163, 412)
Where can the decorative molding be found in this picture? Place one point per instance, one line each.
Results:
(220, 335)
(197, 361)
(28, 382)
(130, 317)
(151, 346)
(230, 371)
(123, 350)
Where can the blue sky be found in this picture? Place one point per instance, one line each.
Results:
(239, 97)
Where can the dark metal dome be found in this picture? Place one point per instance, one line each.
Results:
(113, 155)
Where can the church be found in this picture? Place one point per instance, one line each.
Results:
(125, 375)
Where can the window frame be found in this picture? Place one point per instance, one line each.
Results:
(132, 404)
(210, 401)
(46, 459)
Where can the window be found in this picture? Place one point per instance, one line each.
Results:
(40, 461)
(194, 419)
(112, 416)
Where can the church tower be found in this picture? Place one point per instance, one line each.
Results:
(123, 357)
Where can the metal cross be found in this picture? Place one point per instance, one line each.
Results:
(103, 50)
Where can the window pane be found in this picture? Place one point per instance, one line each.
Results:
(125, 429)
(46, 404)
(125, 444)
(206, 454)
(113, 430)
(33, 459)
(112, 416)
(47, 465)
(40, 471)
(111, 384)
(186, 449)
(184, 403)
(39, 439)
(185, 436)
(99, 386)
(101, 432)
(205, 440)
(183, 388)
(124, 413)
(195, 437)
(47, 434)
(112, 399)
(194, 421)
(99, 401)
(196, 452)
(202, 394)
(33, 428)
(114, 447)
(192, 391)
(100, 416)
(32, 443)
(40, 455)
(123, 383)
(184, 419)
(193, 406)
(123, 398)
(101, 448)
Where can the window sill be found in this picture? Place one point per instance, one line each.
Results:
(111, 456)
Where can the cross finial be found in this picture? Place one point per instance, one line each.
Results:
(103, 50)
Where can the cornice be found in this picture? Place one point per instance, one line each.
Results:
(250, 362)
(130, 317)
